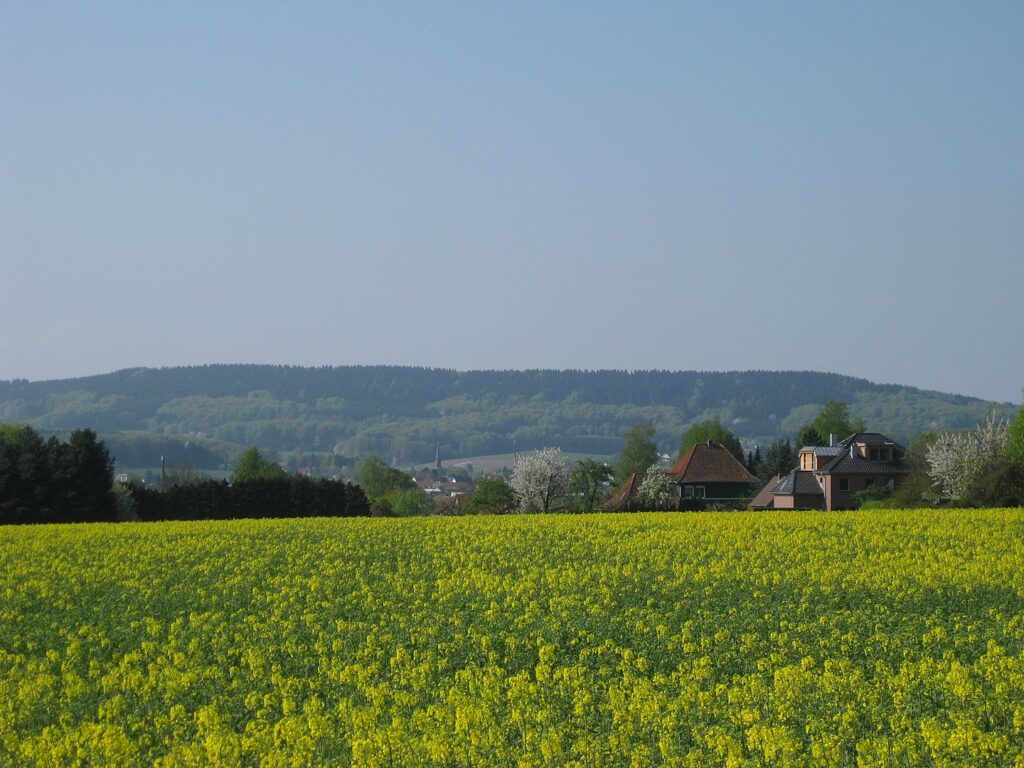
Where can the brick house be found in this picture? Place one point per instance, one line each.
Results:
(830, 475)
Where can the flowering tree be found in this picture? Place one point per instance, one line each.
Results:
(541, 480)
(958, 460)
(655, 491)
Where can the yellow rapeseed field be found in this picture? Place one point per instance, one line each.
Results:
(783, 639)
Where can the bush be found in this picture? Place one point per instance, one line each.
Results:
(1001, 486)
(282, 497)
(381, 507)
(493, 496)
(409, 503)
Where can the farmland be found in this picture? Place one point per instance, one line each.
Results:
(871, 638)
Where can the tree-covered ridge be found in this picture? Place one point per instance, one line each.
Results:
(403, 412)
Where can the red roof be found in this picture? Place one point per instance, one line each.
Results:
(625, 497)
(710, 463)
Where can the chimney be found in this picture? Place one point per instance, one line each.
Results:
(831, 439)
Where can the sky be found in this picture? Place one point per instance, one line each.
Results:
(681, 186)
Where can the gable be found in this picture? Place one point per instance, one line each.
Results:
(710, 463)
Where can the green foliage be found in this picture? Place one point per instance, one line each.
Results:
(916, 490)
(492, 496)
(588, 481)
(639, 451)
(381, 507)
(1015, 444)
(1001, 485)
(212, 412)
(252, 466)
(411, 502)
(834, 419)
(258, 498)
(873, 497)
(711, 430)
(144, 449)
(808, 435)
(378, 479)
(53, 481)
(779, 459)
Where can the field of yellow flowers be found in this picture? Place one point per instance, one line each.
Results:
(783, 639)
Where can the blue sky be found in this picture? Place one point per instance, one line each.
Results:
(708, 186)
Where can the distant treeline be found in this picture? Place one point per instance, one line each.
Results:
(53, 481)
(145, 449)
(402, 413)
(283, 497)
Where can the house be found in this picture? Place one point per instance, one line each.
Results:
(706, 474)
(709, 473)
(626, 497)
(829, 476)
(764, 499)
(800, 489)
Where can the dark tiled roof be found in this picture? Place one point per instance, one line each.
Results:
(869, 438)
(710, 463)
(849, 460)
(798, 483)
(845, 464)
(763, 499)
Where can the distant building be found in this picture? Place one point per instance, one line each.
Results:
(709, 473)
(830, 476)
(626, 497)
(706, 474)
(764, 498)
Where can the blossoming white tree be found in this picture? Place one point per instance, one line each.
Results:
(957, 460)
(655, 491)
(541, 480)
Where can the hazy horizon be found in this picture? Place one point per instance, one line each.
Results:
(591, 186)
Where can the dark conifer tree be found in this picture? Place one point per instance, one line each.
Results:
(779, 459)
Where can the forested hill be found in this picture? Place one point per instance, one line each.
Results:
(402, 412)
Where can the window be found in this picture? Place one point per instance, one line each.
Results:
(844, 484)
(891, 483)
(688, 491)
(699, 491)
